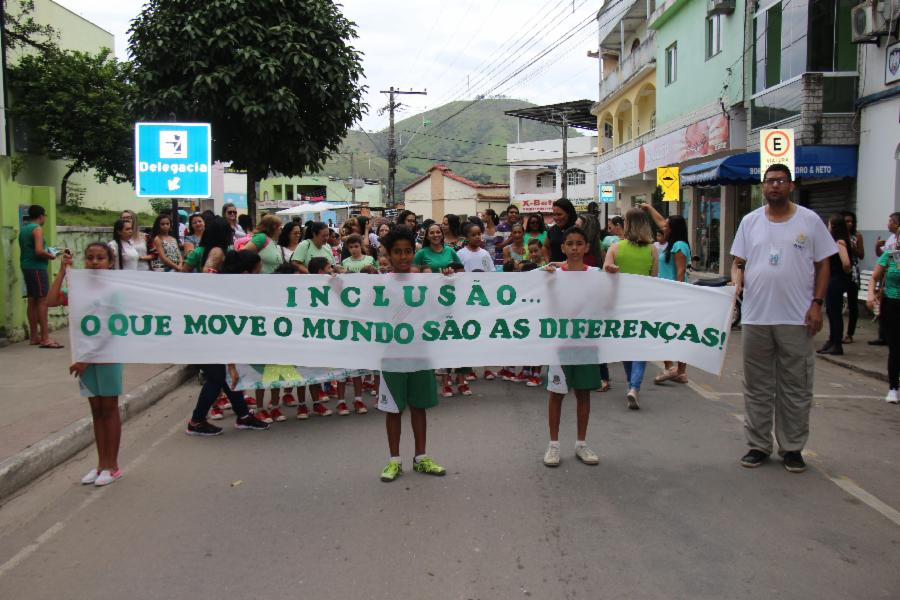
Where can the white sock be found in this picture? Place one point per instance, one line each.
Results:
(579, 443)
(419, 457)
(357, 398)
(396, 459)
(554, 444)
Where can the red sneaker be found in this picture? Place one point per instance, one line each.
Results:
(464, 390)
(215, 414)
(533, 381)
(342, 409)
(289, 400)
(521, 377)
(321, 410)
(264, 416)
(277, 415)
(507, 375)
(323, 397)
(446, 392)
(222, 402)
(471, 376)
(251, 402)
(489, 375)
(302, 412)
(360, 407)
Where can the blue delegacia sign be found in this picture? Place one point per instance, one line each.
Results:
(173, 160)
(607, 192)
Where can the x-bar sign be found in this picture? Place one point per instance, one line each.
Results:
(776, 146)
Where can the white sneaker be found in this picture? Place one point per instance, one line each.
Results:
(891, 397)
(90, 478)
(632, 398)
(551, 456)
(586, 455)
(107, 477)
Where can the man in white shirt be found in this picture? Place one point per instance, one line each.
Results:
(780, 255)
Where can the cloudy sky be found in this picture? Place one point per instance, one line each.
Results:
(454, 49)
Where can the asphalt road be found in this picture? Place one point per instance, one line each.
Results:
(299, 512)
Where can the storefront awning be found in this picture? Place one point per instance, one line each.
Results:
(812, 162)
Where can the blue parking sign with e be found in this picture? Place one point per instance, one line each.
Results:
(173, 160)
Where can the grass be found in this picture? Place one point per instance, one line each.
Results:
(94, 217)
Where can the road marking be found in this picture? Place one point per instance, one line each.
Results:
(45, 537)
(871, 501)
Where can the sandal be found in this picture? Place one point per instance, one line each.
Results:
(665, 376)
(604, 387)
(52, 345)
(680, 378)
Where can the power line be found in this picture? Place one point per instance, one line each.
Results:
(504, 146)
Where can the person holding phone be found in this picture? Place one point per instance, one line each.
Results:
(34, 257)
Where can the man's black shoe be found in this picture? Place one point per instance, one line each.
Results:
(753, 459)
(877, 343)
(793, 462)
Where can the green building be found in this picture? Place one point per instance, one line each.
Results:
(284, 192)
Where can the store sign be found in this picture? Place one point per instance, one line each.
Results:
(172, 160)
(892, 64)
(607, 192)
(694, 141)
(776, 146)
(536, 205)
(667, 179)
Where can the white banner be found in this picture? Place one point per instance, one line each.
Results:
(395, 322)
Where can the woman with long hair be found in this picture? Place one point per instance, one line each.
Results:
(167, 255)
(125, 256)
(591, 227)
(857, 253)
(452, 230)
(230, 213)
(564, 216)
(840, 266)
(138, 240)
(636, 255)
(210, 254)
(491, 236)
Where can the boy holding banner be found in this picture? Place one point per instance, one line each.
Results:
(417, 389)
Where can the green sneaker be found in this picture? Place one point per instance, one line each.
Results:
(392, 471)
(426, 465)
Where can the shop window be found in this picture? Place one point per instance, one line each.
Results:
(575, 177)
(713, 35)
(671, 63)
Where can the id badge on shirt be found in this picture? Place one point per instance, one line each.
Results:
(774, 256)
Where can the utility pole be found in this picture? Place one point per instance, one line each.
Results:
(392, 146)
(564, 184)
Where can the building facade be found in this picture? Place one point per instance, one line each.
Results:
(441, 191)
(535, 173)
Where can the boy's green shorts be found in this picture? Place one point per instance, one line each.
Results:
(417, 389)
(561, 379)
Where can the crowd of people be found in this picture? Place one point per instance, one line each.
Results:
(779, 320)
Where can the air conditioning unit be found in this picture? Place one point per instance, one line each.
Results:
(720, 7)
(867, 22)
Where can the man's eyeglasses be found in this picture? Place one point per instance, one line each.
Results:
(778, 181)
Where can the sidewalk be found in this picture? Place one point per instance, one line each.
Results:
(859, 356)
(44, 419)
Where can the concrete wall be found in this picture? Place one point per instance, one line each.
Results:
(699, 80)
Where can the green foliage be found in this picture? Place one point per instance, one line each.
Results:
(75, 193)
(484, 123)
(277, 80)
(73, 107)
(161, 205)
(93, 217)
(20, 30)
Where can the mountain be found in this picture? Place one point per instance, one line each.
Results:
(478, 134)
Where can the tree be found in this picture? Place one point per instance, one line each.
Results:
(277, 80)
(74, 106)
(20, 30)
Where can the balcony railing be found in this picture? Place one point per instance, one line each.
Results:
(643, 55)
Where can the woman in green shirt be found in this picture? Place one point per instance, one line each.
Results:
(887, 273)
(636, 255)
(435, 256)
(315, 244)
(264, 243)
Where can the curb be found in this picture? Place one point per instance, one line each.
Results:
(881, 375)
(24, 467)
